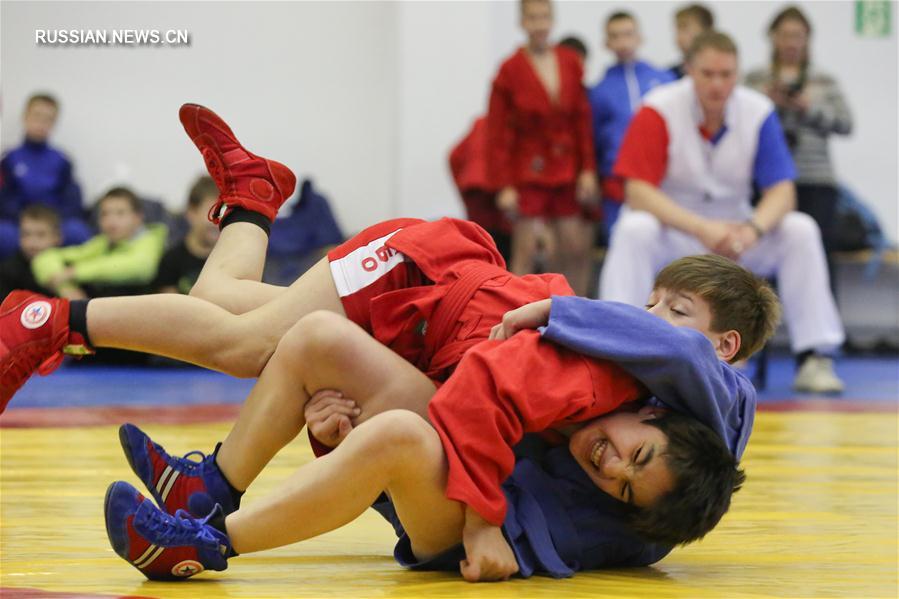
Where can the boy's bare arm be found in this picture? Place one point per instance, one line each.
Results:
(488, 556)
(529, 316)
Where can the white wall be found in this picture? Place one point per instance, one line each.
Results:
(368, 97)
(310, 84)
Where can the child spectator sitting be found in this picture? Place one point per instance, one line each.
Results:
(121, 260)
(38, 230)
(37, 173)
(181, 265)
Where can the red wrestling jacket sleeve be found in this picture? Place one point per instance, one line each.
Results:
(644, 149)
(500, 132)
(502, 390)
(583, 125)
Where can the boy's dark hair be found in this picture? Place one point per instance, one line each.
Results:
(706, 475)
(618, 15)
(712, 39)
(41, 97)
(698, 13)
(42, 213)
(200, 190)
(738, 299)
(576, 44)
(125, 193)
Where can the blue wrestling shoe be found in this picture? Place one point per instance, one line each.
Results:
(177, 483)
(161, 546)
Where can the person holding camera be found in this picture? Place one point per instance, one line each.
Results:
(811, 109)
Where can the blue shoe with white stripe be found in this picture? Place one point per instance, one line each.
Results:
(161, 546)
(177, 483)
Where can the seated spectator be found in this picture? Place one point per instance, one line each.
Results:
(614, 100)
(38, 231)
(689, 22)
(181, 265)
(299, 239)
(690, 158)
(121, 260)
(37, 173)
(811, 107)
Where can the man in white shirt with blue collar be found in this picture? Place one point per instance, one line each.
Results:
(690, 158)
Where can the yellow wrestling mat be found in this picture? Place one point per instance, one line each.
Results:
(817, 518)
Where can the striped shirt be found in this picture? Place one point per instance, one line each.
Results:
(808, 133)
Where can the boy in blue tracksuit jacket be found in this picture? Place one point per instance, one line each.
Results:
(37, 173)
(615, 99)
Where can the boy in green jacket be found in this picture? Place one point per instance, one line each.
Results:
(126, 253)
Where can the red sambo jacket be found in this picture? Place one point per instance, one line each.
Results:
(532, 140)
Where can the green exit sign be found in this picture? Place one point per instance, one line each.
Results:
(873, 18)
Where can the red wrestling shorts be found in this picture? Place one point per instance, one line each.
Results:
(537, 201)
(363, 268)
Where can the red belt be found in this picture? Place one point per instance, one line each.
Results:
(440, 351)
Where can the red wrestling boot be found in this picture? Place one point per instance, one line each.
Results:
(244, 179)
(34, 333)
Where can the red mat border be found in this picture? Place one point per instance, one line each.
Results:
(197, 414)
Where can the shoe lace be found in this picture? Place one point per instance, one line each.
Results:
(187, 465)
(26, 360)
(178, 529)
(220, 176)
(215, 212)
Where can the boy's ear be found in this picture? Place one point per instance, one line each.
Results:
(728, 344)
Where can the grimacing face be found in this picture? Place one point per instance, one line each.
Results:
(623, 456)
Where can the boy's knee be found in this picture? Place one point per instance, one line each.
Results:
(402, 432)
(396, 442)
(201, 290)
(319, 333)
(573, 246)
(801, 229)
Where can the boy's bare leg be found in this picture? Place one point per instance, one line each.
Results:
(397, 452)
(232, 275)
(322, 351)
(202, 333)
(572, 255)
(524, 246)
